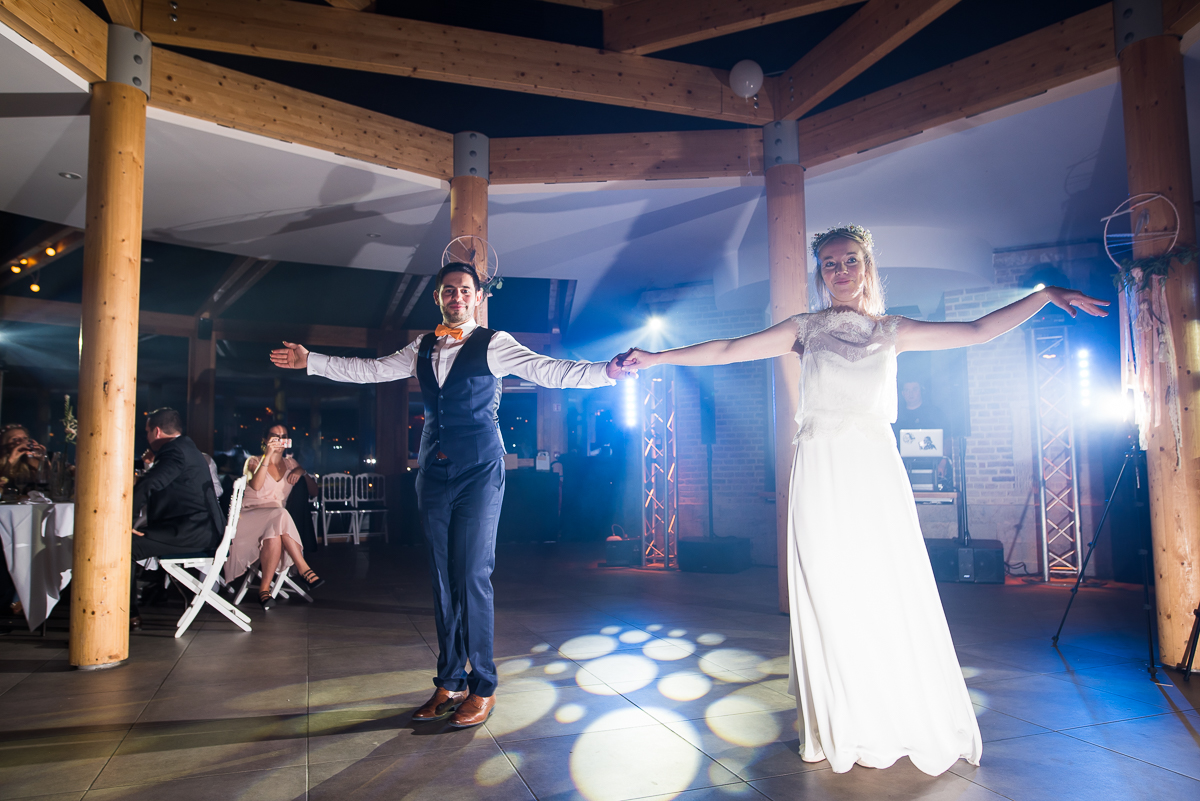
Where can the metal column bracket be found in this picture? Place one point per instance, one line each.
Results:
(471, 154)
(1135, 20)
(128, 58)
(781, 143)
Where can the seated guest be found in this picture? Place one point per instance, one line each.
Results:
(182, 515)
(266, 532)
(20, 455)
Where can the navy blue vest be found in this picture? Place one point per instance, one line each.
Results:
(462, 415)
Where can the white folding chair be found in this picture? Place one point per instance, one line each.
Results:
(337, 498)
(370, 496)
(210, 567)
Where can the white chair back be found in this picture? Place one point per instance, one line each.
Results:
(231, 522)
(337, 488)
(369, 488)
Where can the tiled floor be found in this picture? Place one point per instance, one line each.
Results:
(615, 684)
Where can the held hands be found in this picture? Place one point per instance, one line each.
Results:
(1069, 300)
(636, 359)
(618, 367)
(291, 356)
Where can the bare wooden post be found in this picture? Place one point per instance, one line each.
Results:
(108, 357)
(1156, 150)
(786, 250)
(202, 389)
(469, 197)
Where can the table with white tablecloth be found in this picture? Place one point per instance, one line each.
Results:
(39, 547)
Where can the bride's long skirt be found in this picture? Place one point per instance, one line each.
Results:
(873, 667)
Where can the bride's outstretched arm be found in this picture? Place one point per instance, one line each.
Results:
(774, 341)
(920, 335)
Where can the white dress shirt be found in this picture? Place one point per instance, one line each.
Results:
(505, 356)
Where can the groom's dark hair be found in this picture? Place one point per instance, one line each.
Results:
(458, 267)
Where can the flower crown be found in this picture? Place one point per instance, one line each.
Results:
(855, 232)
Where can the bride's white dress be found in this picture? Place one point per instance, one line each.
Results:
(873, 667)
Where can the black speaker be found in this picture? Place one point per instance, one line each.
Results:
(719, 555)
(622, 553)
(708, 405)
(982, 562)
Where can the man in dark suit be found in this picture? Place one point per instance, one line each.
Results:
(182, 513)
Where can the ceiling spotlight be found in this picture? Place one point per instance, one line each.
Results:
(35, 288)
(374, 236)
(15, 268)
(24, 261)
(147, 260)
(50, 251)
(70, 176)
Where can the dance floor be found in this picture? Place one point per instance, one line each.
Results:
(615, 684)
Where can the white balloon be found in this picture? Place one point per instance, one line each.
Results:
(746, 78)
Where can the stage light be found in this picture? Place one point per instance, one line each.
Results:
(1083, 376)
(1115, 408)
(1039, 287)
(629, 403)
(655, 323)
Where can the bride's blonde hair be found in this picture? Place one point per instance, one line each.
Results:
(873, 301)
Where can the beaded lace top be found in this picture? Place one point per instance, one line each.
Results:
(847, 373)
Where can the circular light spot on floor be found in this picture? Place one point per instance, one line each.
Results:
(710, 639)
(737, 659)
(732, 704)
(634, 636)
(495, 770)
(654, 627)
(610, 630)
(721, 673)
(512, 667)
(611, 761)
(669, 650)
(569, 713)
(779, 666)
(588, 646)
(970, 672)
(748, 731)
(554, 668)
(518, 710)
(977, 696)
(676, 632)
(630, 671)
(684, 686)
(540, 648)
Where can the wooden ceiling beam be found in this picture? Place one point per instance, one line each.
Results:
(647, 26)
(125, 12)
(236, 100)
(66, 29)
(313, 34)
(629, 157)
(875, 30)
(34, 253)
(353, 5)
(1065, 52)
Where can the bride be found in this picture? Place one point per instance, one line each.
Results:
(874, 671)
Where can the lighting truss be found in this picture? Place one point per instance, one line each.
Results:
(660, 494)
(1058, 484)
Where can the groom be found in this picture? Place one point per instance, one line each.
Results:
(460, 483)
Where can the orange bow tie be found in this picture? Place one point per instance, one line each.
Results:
(447, 331)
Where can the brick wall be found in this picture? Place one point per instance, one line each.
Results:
(743, 408)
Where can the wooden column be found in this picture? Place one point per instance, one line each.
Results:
(1156, 149)
(202, 391)
(469, 197)
(108, 376)
(786, 249)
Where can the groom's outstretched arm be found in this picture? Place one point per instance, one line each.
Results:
(506, 356)
(398, 365)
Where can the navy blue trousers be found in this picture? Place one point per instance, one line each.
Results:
(460, 511)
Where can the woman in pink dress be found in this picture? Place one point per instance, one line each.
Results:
(266, 532)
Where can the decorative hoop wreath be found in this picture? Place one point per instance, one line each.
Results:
(475, 250)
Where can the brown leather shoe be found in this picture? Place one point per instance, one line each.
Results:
(441, 705)
(473, 711)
